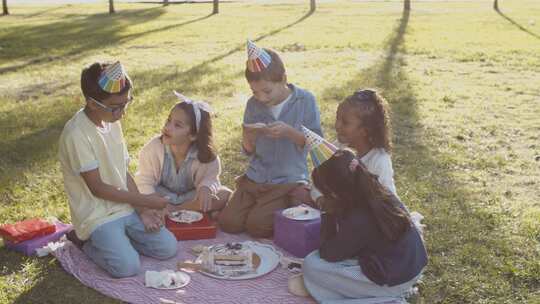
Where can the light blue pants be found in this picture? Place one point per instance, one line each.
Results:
(343, 282)
(115, 245)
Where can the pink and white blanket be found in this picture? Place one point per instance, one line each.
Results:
(270, 288)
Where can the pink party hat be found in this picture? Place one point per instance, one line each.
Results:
(113, 78)
(319, 148)
(258, 59)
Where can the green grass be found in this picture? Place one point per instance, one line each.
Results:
(461, 78)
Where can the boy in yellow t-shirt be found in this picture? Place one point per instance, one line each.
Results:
(110, 216)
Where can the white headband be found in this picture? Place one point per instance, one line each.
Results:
(198, 106)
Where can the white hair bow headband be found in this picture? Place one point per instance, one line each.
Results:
(198, 106)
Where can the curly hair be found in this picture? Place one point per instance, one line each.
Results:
(204, 138)
(349, 189)
(373, 111)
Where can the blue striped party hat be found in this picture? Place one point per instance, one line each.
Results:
(258, 59)
(113, 78)
(320, 149)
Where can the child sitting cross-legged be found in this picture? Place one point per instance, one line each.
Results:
(181, 163)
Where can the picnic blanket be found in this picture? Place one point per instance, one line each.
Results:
(270, 288)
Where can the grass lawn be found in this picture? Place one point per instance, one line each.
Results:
(462, 80)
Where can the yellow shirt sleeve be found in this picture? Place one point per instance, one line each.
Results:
(80, 154)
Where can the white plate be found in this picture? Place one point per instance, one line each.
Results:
(185, 216)
(257, 125)
(270, 258)
(301, 213)
(185, 279)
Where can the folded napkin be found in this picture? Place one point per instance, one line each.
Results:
(49, 248)
(165, 279)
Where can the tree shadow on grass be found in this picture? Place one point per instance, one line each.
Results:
(464, 241)
(242, 46)
(21, 152)
(53, 282)
(45, 11)
(71, 37)
(38, 273)
(11, 262)
(519, 26)
(77, 36)
(189, 80)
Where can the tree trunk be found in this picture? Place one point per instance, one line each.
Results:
(111, 7)
(407, 5)
(496, 5)
(312, 6)
(4, 7)
(165, 2)
(216, 7)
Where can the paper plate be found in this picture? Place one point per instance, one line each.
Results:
(269, 260)
(301, 213)
(184, 280)
(256, 125)
(185, 216)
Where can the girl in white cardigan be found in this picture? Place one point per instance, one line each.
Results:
(181, 163)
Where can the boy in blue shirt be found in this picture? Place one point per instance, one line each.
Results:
(273, 138)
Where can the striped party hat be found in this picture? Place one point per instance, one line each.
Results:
(258, 59)
(113, 78)
(319, 148)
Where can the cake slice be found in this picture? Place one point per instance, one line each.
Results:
(229, 259)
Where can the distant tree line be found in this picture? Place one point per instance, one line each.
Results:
(215, 9)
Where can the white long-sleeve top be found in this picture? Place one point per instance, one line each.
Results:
(151, 160)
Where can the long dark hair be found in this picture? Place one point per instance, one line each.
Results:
(203, 142)
(89, 82)
(349, 189)
(375, 116)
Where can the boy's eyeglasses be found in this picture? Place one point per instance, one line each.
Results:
(113, 110)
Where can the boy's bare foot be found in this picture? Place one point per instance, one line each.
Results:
(300, 195)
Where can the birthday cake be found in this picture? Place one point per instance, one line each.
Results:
(231, 259)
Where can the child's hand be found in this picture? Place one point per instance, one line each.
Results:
(279, 129)
(205, 197)
(155, 201)
(300, 195)
(249, 136)
(328, 204)
(151, 219)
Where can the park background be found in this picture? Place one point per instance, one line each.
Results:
(462, 79)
